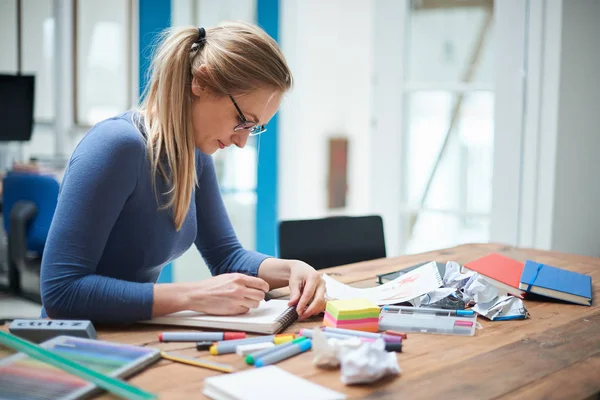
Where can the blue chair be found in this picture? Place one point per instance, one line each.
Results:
(28, 203)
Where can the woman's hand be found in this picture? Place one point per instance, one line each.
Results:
(225, 294)
(307, 289)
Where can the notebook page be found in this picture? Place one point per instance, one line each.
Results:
(267, 383)
(266, 314)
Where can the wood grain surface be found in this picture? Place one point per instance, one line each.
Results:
(555, 354)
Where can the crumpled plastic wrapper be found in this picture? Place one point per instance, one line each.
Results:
(444, 298)
(474, 286)
(480, 290)
(502, 309)
(453, 278)
(368, 363)
(361, 362)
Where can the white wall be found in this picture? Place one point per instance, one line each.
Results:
(329, 48)
(576, 225)
(548, 161)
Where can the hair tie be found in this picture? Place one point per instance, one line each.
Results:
(201, 36)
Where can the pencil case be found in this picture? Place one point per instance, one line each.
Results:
(428, 320)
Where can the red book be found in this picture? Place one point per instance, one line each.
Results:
(503, 272)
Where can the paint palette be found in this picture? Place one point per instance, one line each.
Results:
(24, 378)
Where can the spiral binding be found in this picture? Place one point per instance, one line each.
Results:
(286, 319)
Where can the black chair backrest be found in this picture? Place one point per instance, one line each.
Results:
(332, 241)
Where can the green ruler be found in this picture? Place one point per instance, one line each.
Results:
(115, 386)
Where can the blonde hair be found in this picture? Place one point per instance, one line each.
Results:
(239, 57)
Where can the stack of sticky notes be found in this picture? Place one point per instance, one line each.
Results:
(357, 314)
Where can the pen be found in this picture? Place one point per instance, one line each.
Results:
(199, 336)
(331, 335)
(370, 335)
(422, 310)
(197, 362)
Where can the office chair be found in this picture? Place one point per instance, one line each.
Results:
(332, 241)
(29, 201)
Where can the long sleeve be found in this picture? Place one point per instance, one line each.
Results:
(216, 239)
(102, 174)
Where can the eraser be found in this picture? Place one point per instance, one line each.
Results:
(40, 330)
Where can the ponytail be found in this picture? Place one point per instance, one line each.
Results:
(168, 120)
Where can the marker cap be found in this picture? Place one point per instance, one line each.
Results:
(203, 345)
(397, 347)
(305, 345)
(233, 335)
(160, 337)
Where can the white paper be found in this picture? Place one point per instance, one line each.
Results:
(329, 351)
(404, 288)
(480, 290)
(453, 278)
(266, 383)
(368, 363)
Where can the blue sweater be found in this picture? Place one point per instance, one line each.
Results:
(109, 241)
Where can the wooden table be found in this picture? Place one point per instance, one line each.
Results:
(553, 354)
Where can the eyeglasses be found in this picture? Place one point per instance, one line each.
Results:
(244, 124)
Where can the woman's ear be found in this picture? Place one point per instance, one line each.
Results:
(197, 86)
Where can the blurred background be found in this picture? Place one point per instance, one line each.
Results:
(456, 121)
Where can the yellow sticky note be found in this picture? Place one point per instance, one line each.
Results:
(352, 309)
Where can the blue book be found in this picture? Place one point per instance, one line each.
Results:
(557, 283)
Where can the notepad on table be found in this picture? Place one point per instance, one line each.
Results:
(270, 317)
(557, 283)
(501, 271)
(267, 383)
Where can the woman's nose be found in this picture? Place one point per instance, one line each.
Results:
(240, 139)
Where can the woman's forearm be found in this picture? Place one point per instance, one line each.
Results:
(275, 271)
(169, 298)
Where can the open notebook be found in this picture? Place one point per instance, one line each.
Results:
(270, 317)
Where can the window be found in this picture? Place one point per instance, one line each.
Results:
(103, 56)
(8, 29)
(448, 135)
(37, 30)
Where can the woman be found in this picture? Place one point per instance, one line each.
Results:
(141, 188)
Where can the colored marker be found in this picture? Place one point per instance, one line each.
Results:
(197, 362)
(246, 349)
(283, 339)
(284, 354)
(229, 346)
(253, 356)
(330, 335)
(370, 335)
(199, 336)
(403, 335)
